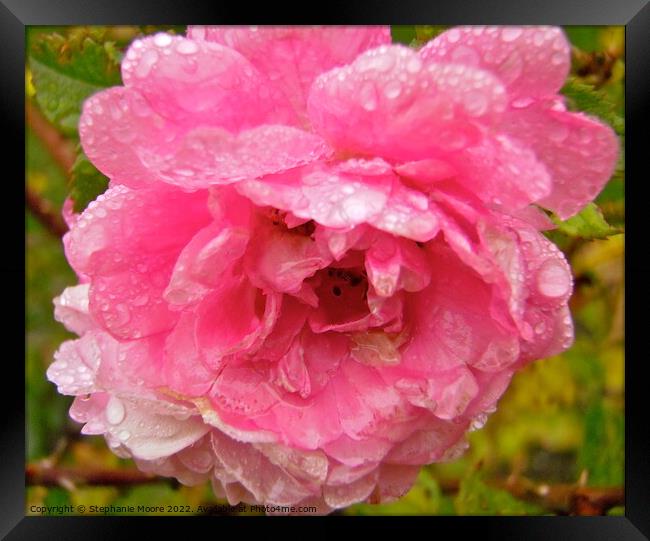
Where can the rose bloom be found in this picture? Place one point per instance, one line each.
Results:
(319, 261)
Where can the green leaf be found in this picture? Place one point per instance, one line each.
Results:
(586, 98)
(57, 497)
(68, 69)
(588, 224)
(86, 183)
(475, 497)
(602, 453)
(402, 33)
(585, 37)
(426, 33)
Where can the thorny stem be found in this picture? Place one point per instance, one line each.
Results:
(61, 149)
(51, 476)
(63, 153)
(566, 499)
(44, 212)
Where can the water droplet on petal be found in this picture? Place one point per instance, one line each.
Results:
(553, 279)
(146, 63)
(187, 47)
(511, 34)
(453, 35)
(414, 65)
(558, 132)
(557, 59)
(393, 89)
(115, 411)
(368, 96)
(162, 39)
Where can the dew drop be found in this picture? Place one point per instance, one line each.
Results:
(146, 63)
(393, 89)
(368, 97)
(141, 300)
(414, 65)
(557, 59)
(115, 411)
(558, 132)
(453, 35)
(510, 34)
(476, 103)
(553, 280)
(123, 314)
(162, 39)
(187, 47)
(66, 380)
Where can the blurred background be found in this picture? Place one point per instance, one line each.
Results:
(555, 444)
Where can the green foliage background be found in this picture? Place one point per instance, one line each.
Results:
(561, 419)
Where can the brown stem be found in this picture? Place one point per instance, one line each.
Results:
(61, 149)
(44, 475)
(569, 499)
(63, 153)
(45, 213)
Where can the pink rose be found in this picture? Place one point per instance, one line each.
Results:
(318, 264)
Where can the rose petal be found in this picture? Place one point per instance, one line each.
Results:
(292, 57)
(389, 103)
(532, 61)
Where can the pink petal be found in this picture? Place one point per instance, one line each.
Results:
(292, 372)
(146, 433)
(237, 317)
(204, 261)
(89, 409)
(208, 156)
(197, 82)
(71, 309)
(285, 330)
(395, 481)
(447, 394)
(356, 491)
(501, 171)
(306, 424)
(408, 213)
(242, 391)
(393, 263)
(127, 242)
(532, 61)
(74, 369)
(134, 145)
(308, 466)
(348, 451)
(426, 446)
(330, 198)
(282, 260)
(578, 151)
(492, 385)
(452, 323)
(389, 103)
(340, 197)
(323, 355)
(118, 127)
(292, 57)
(183, 369)
(265, 481)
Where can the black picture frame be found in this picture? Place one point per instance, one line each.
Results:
(15, 15)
